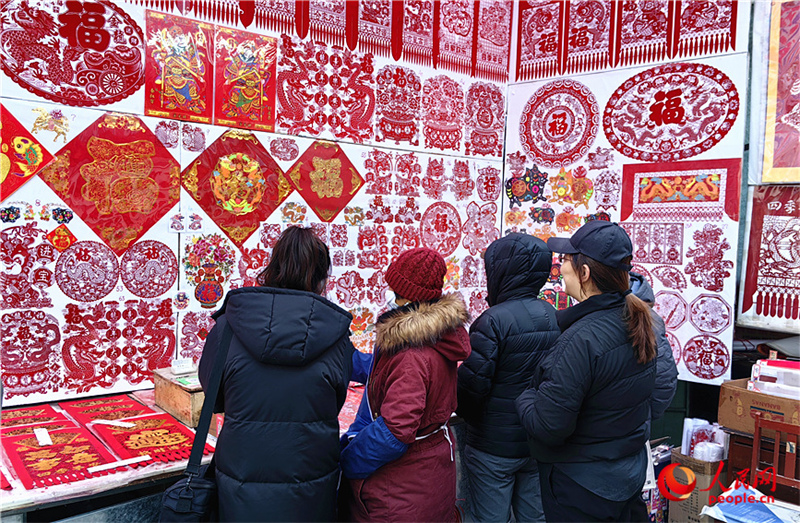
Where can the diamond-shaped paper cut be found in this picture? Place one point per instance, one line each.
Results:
(61, 238)
(237, 183)
(21, 155)
(118, 177)
(326, 179)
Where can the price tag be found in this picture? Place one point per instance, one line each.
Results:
(115, 423)
(42, 436)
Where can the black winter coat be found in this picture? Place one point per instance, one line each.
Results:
(509, 342)
(591, 401)
(285, 381)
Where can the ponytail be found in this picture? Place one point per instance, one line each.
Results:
(637, 314)
(640, 328)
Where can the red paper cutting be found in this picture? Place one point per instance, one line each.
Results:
(38, 411)
(237, 183)
(656, 242)
(707, 27)
(700, 190)
(73, 451)
(109, 341)
(276, 15)
(418, 31)
(245, 80)
(783, 128)
(672, 308)
(772, 273)
(21, 155)
(443, 109)
(29, 341)
(541, 24)
(643, 32)
(485, 120)
(706, 357)
(196, 326)
(490, 59)
(398, 105)
(708, 269)
(149, 269)
(456, 35)
(159, 436)
(375, 27)
(284, 149)
(675, 346)
(117, 177)
(710, 313)
(479, 230)
(18, 430)
(112, 412)
(87, 271)
(326, 179)
(27, 262)
(671, 112)
(325, 89)
(80, 53)
(440, 228)
(588, 40)
(328, 21)
(179, 68)
(559, 123)
(78, 405)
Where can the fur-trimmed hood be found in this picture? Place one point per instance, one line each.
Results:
(424, 324)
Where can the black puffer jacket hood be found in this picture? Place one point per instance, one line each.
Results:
(254, 314)
(516, 265)
(284, 382)
(509, 342)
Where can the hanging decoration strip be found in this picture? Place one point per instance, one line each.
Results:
(781, 150)
(73, 452)
(21, 155)
(159, 436)
(570, 36)
(456, 31)
(771, 293)
(327, 21)
(375, 27)
(493, 41)
(420, 21)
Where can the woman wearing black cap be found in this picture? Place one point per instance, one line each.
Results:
(588, 407)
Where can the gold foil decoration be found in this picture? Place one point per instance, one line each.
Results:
(56, 173)
(355, 180)
(121, 121)
(238, 183)
(326, 214)
(154, 438)
(190, 180)
(239, 234)
(119, 238)
(238, 134)
(284, 188)
(326, 178)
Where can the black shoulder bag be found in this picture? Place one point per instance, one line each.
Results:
(194, 497)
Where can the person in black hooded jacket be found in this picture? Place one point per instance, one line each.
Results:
(509, 342)
(284, 382)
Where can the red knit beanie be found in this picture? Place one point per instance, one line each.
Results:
(417, 274)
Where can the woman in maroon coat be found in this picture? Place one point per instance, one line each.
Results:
(399, 456)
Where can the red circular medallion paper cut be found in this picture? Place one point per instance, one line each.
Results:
(559, 123)
(87, 271)
(671, 112)
(675, 345)
(149, 269)
(440, 228)
(706, 357)
(710, 313)
(76, 53)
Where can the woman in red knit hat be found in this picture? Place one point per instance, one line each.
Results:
(399, 453)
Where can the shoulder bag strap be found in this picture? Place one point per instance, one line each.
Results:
(193, 468)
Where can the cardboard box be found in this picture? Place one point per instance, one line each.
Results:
(689, 509)
(738, 407)
(179, 396)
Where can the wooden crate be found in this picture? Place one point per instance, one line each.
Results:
(183, 402)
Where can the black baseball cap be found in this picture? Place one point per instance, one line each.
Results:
(602, 241)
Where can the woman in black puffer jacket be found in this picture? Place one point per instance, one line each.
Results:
(588, 409)
(284, 382)
(509, 342)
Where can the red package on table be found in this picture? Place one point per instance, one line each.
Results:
(120, 401)
(110, 413)
(30, 415)
(68, 459)
(19, 430)
(4, 484)
(159, 436)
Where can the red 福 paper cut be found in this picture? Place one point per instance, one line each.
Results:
(73, 452)
(159, 436)
(443, 110)
(772, 273)
(117, 177)
(485, 120)
(237, 183)
(398, 105)
(180, 76)
(149, 269)
(671, 112)
(326, 179)
(21, 155)
(245, 80)
(79, 53)
(589, 38)
(87, 271)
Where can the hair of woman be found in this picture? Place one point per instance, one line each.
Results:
(637, 315)
(300, 261)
